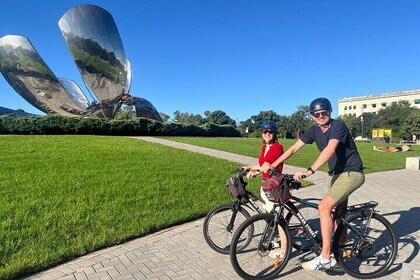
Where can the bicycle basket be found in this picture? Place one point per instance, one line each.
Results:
(276, 189)
(235, 186)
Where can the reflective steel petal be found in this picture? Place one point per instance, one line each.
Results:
(95, 44)
(75, 93)
(31, 78)
(128, 83)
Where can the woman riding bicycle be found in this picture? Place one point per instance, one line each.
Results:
(270, 151)
(337, 147)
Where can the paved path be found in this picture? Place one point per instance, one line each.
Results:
(318, 178)
(180, 252)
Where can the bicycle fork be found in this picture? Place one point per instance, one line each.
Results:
(269, 235)
(235, 210)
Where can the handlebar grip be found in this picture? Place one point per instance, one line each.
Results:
(271, 172)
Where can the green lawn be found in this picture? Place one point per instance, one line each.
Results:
(373, 161)
(65, 196)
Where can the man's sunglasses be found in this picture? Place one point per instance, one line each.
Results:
(321, 114)
(267, 131)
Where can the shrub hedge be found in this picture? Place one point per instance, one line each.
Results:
(55, 124)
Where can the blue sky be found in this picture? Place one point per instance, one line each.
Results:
(239, 56)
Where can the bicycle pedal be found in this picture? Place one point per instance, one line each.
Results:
(334, 270)
(346, 254)
(276, 262)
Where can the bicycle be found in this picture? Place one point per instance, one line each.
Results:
(369, 249)
(220, 222)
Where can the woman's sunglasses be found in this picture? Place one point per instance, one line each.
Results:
(321, 114)
(267, 131)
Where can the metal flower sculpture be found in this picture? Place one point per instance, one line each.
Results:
(96, 47)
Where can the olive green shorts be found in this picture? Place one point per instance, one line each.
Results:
(342, 185)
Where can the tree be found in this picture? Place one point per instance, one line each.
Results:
(165, 117)
(187, 118)
(246, 124)
(255, 121)
(369, 119)
(284, 127)
(287, 127)
(300, 121)
(353, 123)
(412, 123)
(219, 117)
(393, 117)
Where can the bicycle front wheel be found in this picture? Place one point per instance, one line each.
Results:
(370, 247)
(268, 250)
(218, 229)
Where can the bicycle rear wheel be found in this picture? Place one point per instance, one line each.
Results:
(268, 250)
(370, 248)
(215, 228)
(302, 240)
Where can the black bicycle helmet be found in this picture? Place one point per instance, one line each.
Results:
(268, 125)
(320, 104)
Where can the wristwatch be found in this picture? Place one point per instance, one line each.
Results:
(310, 169)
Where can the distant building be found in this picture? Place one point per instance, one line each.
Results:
(373, 103)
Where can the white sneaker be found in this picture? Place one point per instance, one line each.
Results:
(333, 260)
(318, 263)
(276, 251)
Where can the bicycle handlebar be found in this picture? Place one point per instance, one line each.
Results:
(294, 184)
(273, 172)
(288, 177)
(243, 172)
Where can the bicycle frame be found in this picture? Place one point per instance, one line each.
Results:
(363, 208)
(290, 206)
(254, 205)
(238, 203)
(368, 207)
(270, 232)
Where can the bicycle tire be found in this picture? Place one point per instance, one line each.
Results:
(357, 253)
(301, 240)
(215, 231)
(254, 261)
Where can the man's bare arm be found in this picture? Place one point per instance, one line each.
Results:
(325, 155)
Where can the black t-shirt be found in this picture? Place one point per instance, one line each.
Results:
(346, 157)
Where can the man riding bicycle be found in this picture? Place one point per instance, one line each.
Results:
(338, 148)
